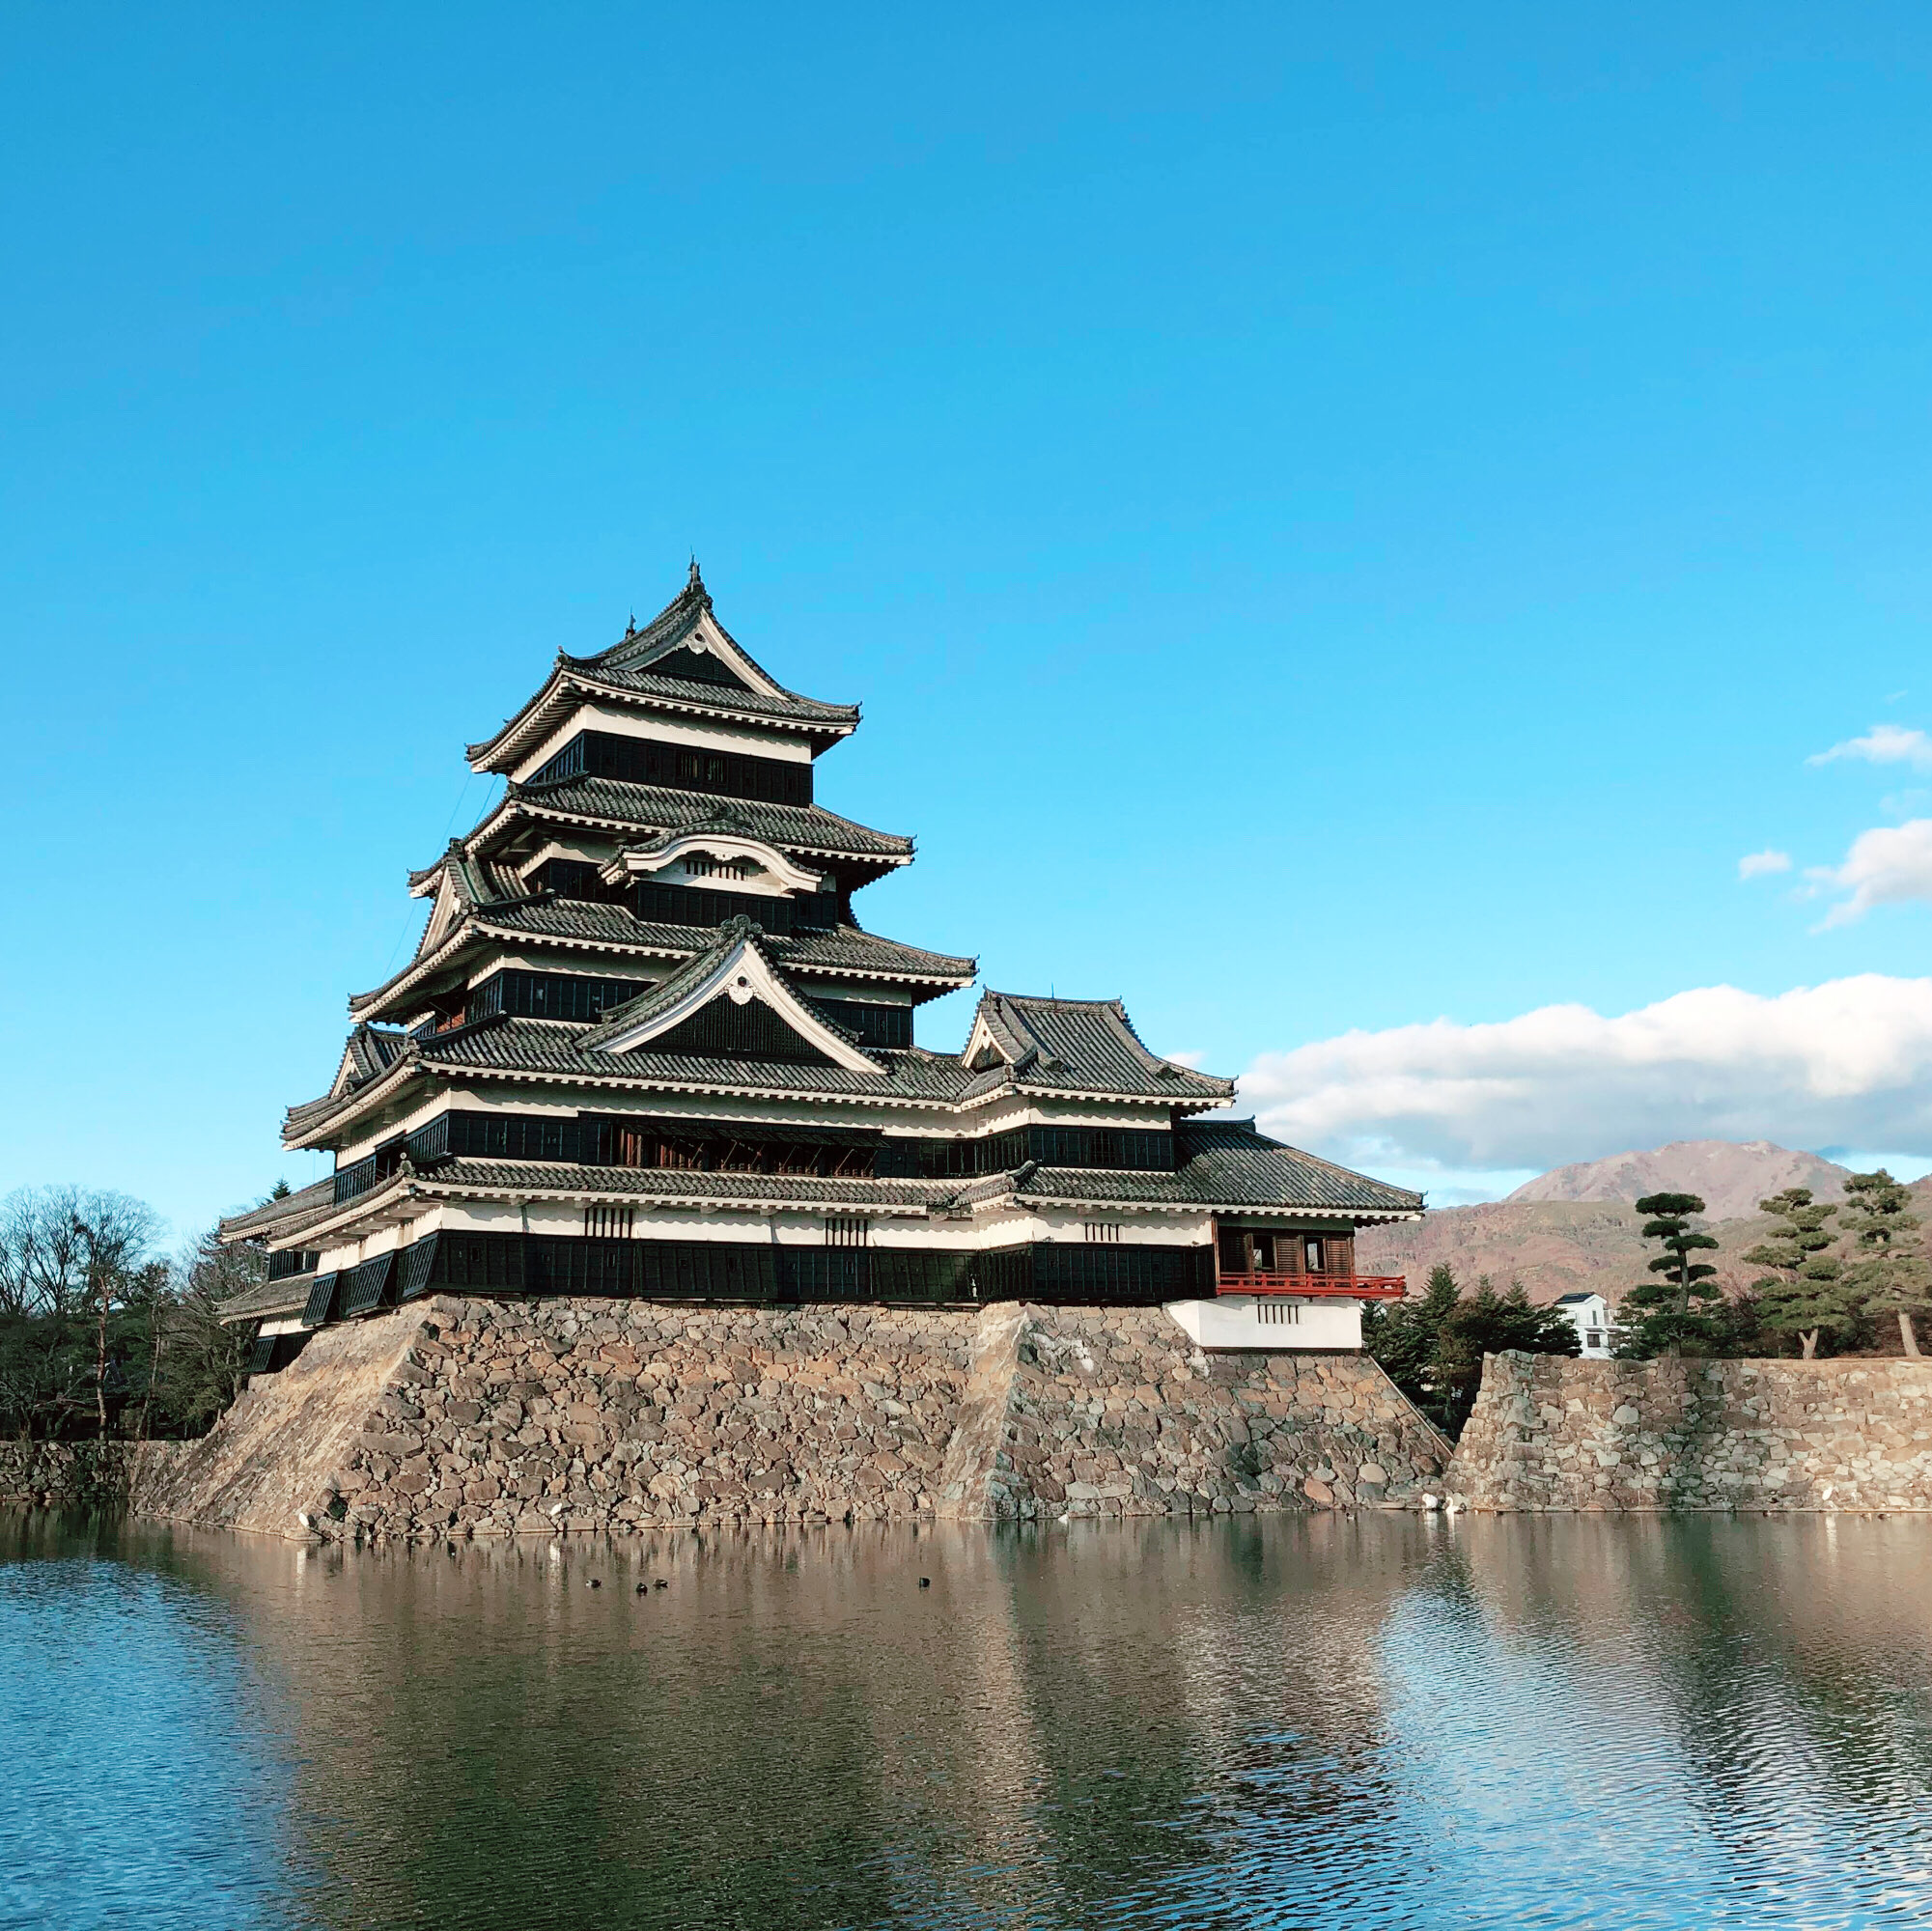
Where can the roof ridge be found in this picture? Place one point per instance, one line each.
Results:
(1053, 999)
(637, 650)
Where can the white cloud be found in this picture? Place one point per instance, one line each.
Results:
(1848, 1063)
(1883, 744)
(1760, 863)
(1891, 864)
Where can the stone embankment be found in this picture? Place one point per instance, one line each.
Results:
(1549, 1433)
(475, 1417)
(1115, 1412)
(86, 1474)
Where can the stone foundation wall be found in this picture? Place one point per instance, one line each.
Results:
(580, 1414)
(459, 1418)
(267, 1460)
(84, 1474)
(1114, 1411)
(1550, 1432)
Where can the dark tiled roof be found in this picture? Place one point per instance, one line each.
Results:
(715, 696)
(269, 1299)
(849, 947)
(373, 1050)
(1227, 1163)
(618, 1019)
(476, 881)
(807, 828)
(1085, 1045)
(581, 918)
(633, 664)
(667, 992)
(666, 1183)
(840, 947)
(630, 662)
(274, 1219)
(544, 1046)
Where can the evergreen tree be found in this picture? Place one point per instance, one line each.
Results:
(1808, 1295)
(205, 1363)
(1657, 1317)
(1889, 1272)
(1432, 1345)
(1404, 1338)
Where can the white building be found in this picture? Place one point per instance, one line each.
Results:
(1590, 1315)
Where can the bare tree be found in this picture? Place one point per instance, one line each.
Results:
(66, 1253)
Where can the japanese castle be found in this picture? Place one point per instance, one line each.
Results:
(645, 1048)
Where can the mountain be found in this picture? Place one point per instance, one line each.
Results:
(1575, 1229)
(1732, 1176)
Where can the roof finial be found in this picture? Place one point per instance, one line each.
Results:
(695, 581)
(630, 625)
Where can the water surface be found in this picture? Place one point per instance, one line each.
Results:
(1371, 1721)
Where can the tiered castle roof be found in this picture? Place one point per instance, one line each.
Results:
(649, 942)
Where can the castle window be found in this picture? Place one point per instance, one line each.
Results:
(1278, 1313)
(848, 1231)
(608, 1223)
(1100, 1230)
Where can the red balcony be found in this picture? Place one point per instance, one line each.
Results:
(1317, 1286)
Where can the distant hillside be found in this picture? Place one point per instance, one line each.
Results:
(1567, 1245)
(1732, 1176)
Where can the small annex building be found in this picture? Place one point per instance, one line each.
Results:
(645, 1048)
(1589, 1314)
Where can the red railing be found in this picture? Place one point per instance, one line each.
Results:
(1317, 1286)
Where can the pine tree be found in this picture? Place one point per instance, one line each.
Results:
(1657, 1318)
(1404, 1337)
(1889, 1272)
(1432, 1345)
(1808, 1295)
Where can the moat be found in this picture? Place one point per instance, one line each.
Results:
(1361, 1721)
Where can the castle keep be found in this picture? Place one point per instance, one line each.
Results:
(647, 1050)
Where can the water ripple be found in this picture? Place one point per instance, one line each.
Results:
(1377, 1723)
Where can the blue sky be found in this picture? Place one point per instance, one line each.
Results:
(1338, 524)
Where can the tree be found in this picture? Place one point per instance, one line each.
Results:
(1657, 1317)
(70, 1261)
(113, 1235)
(1808, 1295)
(1404, 1337)
(1889, 1274)
(1432, 1346)
(205, 1363)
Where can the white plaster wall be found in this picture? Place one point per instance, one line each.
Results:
(379, 1239)
(1068, 1225)
(910, 1230)
(1231, 1321)
(867, 992)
